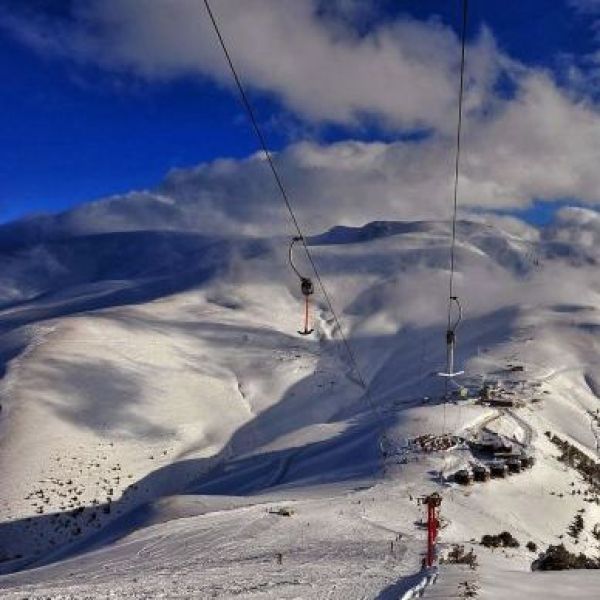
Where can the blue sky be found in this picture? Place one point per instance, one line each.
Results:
(73, 134)
(76, 130)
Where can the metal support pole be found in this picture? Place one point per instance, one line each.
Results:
(306, 313)
(433, 502)
(430, 534)
(450, 352)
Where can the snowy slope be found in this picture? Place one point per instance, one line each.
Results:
(157, 401)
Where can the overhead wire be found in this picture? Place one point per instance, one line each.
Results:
(285, 197)
(451, 294)
(465, 5)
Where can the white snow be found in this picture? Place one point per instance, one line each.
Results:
(158, 404)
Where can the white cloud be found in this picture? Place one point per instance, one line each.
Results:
(586, 6)
(403, 72)
(541, 143)
(577, 227)
(583, 70)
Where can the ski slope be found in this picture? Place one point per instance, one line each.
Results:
(158, 407)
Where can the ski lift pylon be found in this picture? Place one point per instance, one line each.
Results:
(306, 286)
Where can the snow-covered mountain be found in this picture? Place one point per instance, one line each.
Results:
(157, 403)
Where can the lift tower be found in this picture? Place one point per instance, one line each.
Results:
(433, 503)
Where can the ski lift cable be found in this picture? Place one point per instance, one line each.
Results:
(452, 298)
(451, 295)
(291, 257)
(263, 143)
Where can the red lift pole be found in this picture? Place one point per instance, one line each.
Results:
(433, 503)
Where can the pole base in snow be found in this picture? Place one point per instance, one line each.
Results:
(306, 332)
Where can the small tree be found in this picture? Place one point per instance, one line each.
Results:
(576, 527)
